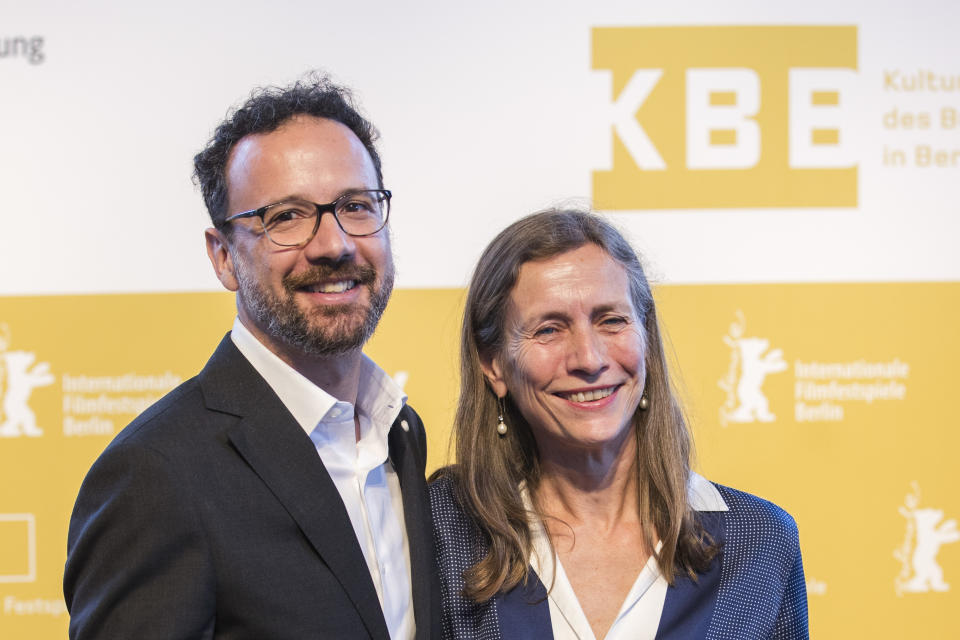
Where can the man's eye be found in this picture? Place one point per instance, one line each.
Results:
(544, 332)
(614, 321)
(285, 215)
(356, 207)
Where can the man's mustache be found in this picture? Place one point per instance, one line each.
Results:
(363, 274)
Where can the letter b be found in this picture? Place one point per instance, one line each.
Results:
(721, 132)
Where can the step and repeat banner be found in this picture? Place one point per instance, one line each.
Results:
(790, 175)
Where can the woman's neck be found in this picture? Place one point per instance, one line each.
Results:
(589, 486)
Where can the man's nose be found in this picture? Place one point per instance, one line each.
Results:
(330, 242)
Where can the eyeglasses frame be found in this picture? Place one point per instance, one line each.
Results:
(330, 207)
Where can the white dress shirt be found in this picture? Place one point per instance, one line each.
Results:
(639, 615)
(361, 470)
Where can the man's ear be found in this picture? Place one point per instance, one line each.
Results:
(220, 258)
(493, 372)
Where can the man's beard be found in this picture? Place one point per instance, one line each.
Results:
(327, 330)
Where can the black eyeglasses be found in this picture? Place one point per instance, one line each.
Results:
(293, 223)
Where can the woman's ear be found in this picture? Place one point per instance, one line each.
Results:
(493, 372)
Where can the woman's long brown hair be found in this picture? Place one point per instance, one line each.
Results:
(490, 469)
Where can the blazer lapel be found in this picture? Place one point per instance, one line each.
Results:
(690, 605)
(408, 461)
(282, 455)
(524, 611)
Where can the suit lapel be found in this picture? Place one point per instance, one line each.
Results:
(284, 458)
(408, 461)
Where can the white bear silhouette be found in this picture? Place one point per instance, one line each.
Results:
(754, 367)
(927, 574)
(21, 380)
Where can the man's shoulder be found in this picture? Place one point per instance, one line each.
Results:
(183, 405)
(182, 414)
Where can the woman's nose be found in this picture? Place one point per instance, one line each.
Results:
(587, 353)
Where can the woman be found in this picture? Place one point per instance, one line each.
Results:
(572, 511)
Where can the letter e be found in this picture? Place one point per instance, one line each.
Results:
(820, 118)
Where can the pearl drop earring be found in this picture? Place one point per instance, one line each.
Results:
(501, 425)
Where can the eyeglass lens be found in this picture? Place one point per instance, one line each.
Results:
(360, 213)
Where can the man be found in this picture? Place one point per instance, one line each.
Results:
(280, 493)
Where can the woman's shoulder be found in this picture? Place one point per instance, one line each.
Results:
(758, 533)
(456, 535)
(441, 484)
(444, 503)
(762, 569)
(757, 513)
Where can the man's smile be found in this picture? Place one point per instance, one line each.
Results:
(331, 280)
(338, 286)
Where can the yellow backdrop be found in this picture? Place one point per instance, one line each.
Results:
(846, 425)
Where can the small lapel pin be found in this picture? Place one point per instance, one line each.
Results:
(406, 427)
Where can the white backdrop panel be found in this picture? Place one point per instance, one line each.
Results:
(487, 112)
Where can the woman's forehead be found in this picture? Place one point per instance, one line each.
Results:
(586, 277)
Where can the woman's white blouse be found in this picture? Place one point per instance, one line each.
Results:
(639, 615)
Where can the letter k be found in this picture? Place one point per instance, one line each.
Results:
(623, 115)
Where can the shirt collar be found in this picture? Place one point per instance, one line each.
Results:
(378, 396)
(702, 495)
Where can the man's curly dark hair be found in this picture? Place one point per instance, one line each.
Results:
(267, 109)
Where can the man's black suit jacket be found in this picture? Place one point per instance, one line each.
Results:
(212, 516)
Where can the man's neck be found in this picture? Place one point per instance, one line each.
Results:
(338, 375)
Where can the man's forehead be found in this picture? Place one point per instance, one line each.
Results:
(303, 152)
(296, 130)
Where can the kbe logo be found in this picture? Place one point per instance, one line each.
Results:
(707, 117)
